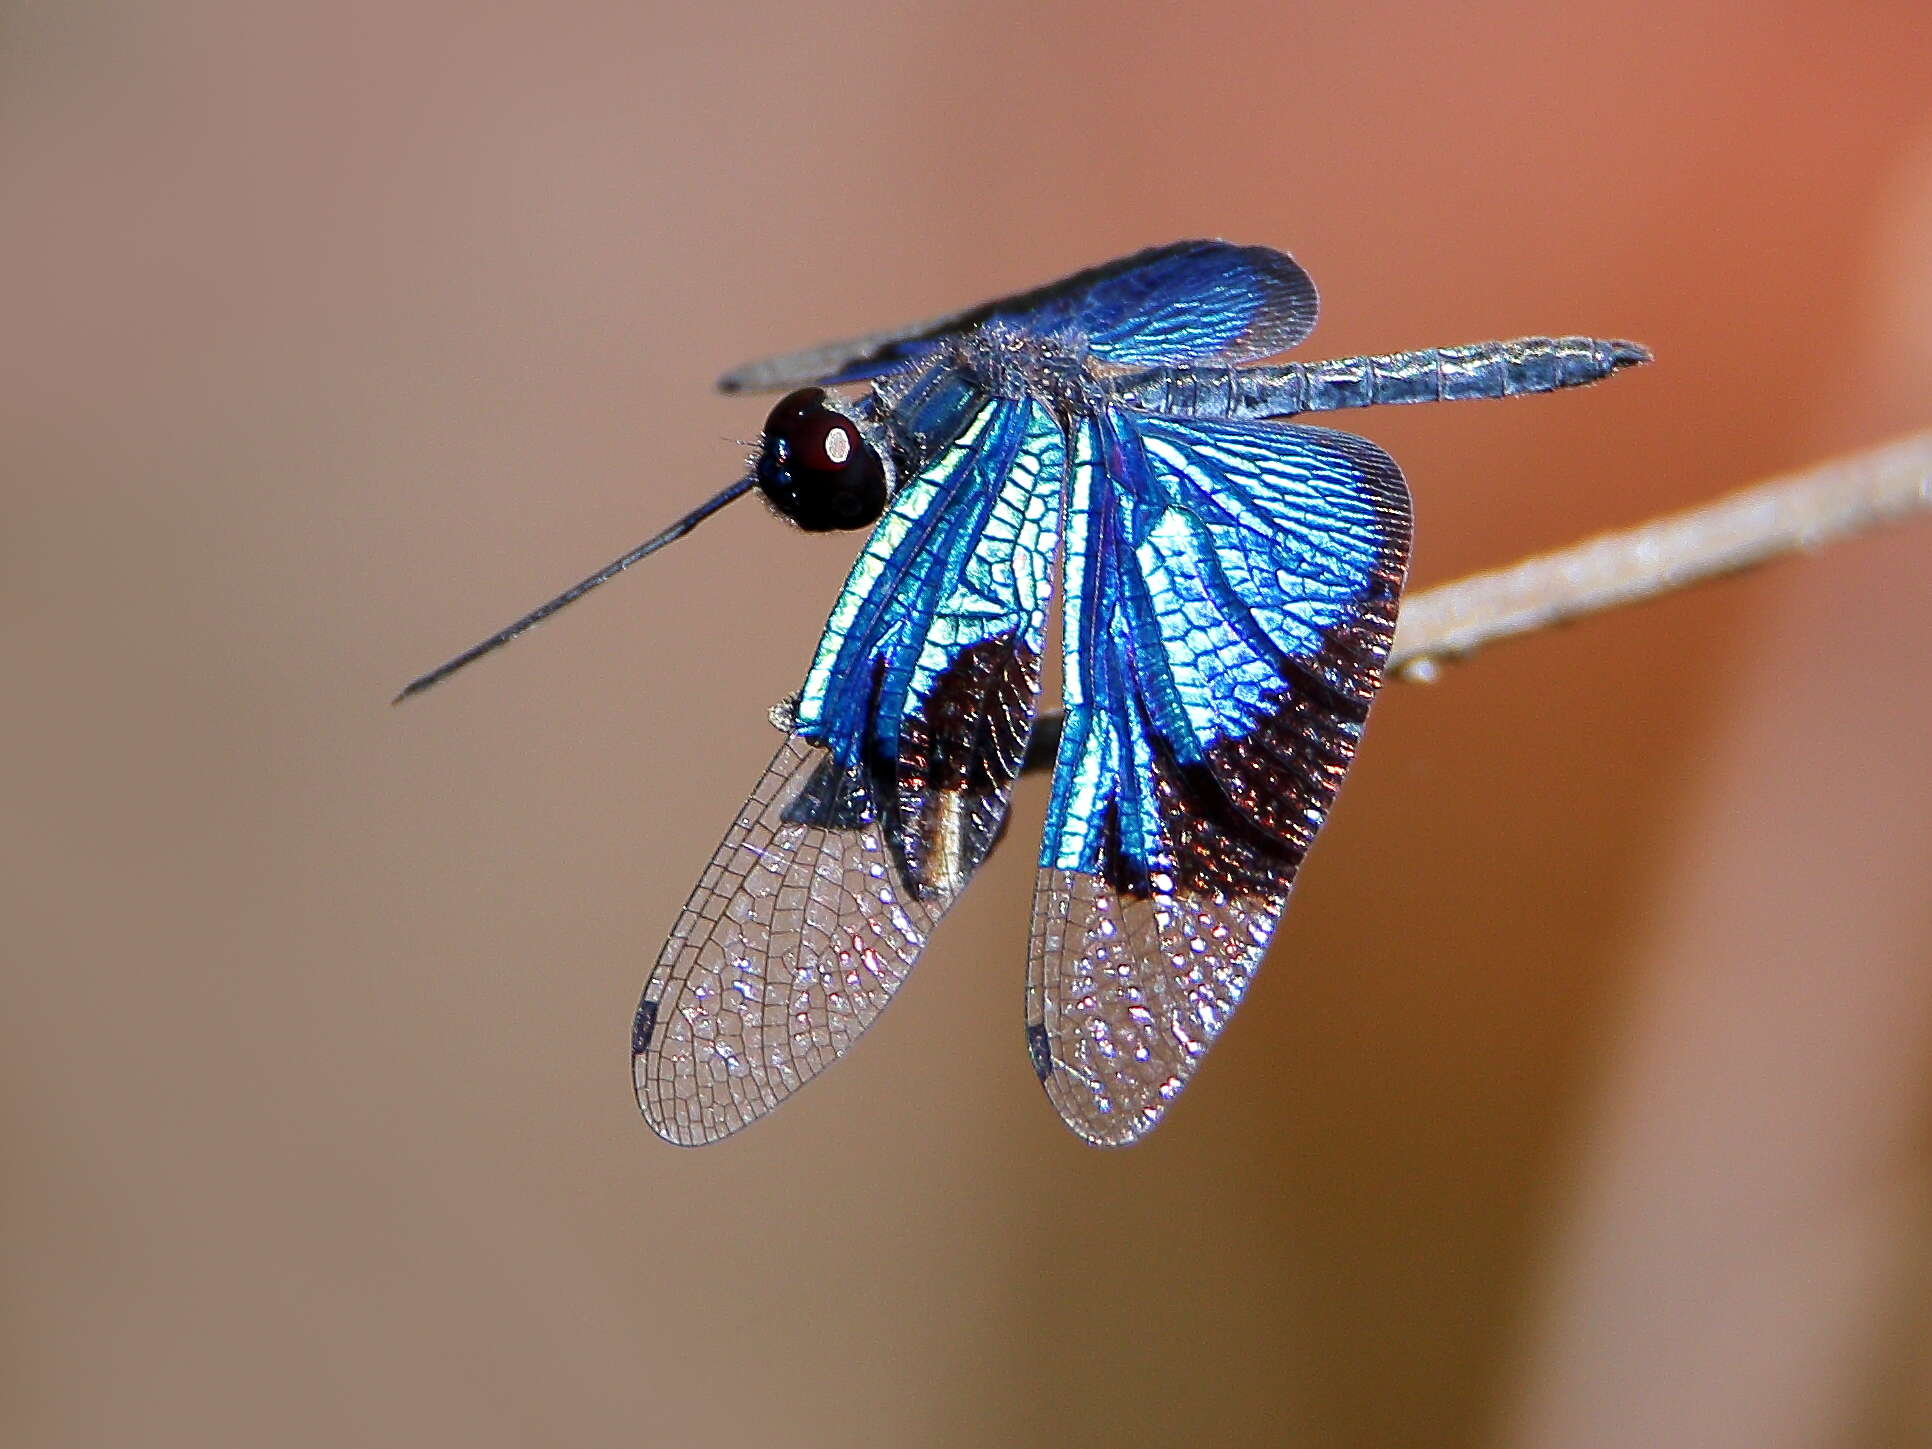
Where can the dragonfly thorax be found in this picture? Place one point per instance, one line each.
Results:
(1011, 362)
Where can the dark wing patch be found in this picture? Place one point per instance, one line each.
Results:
(959, 753)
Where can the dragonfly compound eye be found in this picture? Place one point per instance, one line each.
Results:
(816, 466)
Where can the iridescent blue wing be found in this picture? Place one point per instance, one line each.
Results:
(1231, 596)
(892, 788)
(1191, 301)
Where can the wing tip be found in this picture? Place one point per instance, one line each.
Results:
(677, 1129)
(1121, 1126)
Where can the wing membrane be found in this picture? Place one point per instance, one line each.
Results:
(1231, 593)
(793, 942)
(893, 787)
(1191, 301)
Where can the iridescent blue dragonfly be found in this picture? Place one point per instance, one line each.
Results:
(1230, 583)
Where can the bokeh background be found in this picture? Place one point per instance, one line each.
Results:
(1585, 1100)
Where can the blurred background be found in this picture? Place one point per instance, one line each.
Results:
(1585, 1100)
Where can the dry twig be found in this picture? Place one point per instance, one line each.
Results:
(1802, 510)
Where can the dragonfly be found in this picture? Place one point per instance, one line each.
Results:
(1228, 585)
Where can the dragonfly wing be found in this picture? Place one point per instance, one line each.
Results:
(1191, 301)
(1231, 597)
(908, 734)
(793, 942)
(928, 676)
(1202, 301)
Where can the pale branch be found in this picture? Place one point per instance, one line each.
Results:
(1802, 510)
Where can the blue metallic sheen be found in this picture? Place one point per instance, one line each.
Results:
(1201, 555)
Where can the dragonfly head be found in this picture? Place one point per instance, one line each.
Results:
(818, 467)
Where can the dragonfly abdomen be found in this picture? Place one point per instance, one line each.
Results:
(1433, 374)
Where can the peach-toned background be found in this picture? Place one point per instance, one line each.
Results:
(1586, 1099)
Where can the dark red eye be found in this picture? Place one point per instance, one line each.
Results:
(816, 466)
